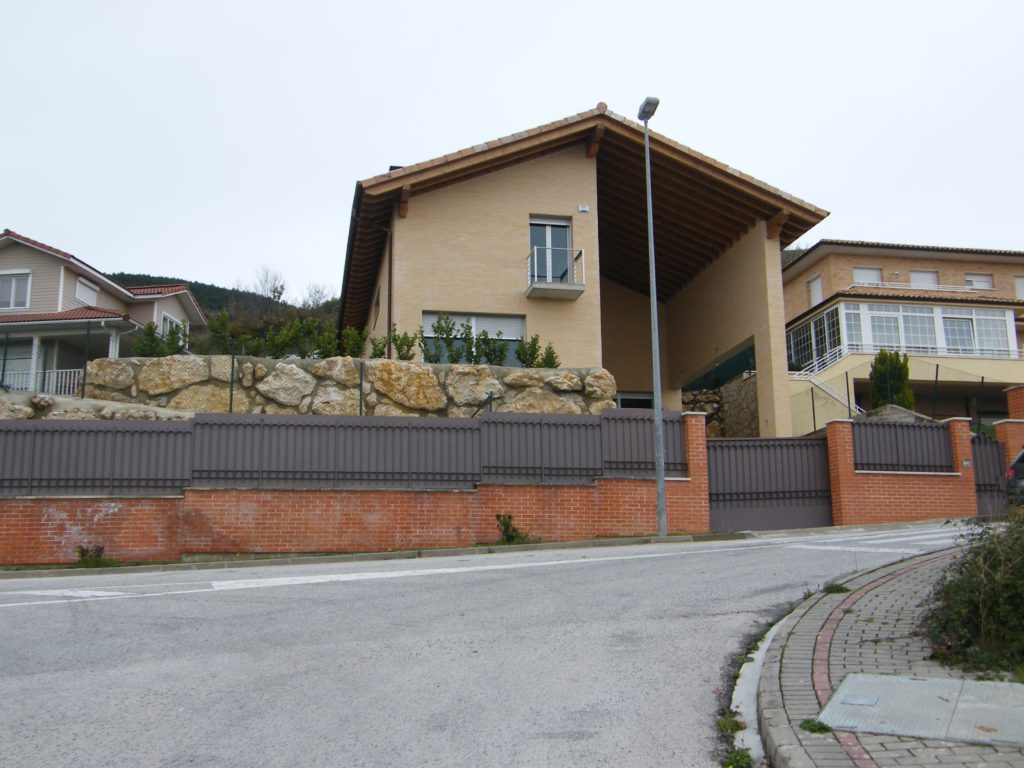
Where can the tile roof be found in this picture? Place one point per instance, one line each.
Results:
(792, 256)
(157, 290)
(82, 313)
(921, 294)
(36, 244)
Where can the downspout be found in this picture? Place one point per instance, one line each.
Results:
(391, 288)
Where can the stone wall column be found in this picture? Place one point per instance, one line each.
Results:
(839, 435)
(963, 461)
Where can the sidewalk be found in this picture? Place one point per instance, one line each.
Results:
(868, 630)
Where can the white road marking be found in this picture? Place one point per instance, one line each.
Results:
(835, 548)
(68, 593)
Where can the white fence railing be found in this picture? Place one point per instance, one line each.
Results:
(54, 382)
(912, 287)
(835, 355)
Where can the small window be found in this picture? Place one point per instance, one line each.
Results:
(924, 278)
(169, 322)
(86, 292)
(978, 280)
(1019, 282)
(814, 286)
(511, 327)
(867, 275)
(551, 254)
(14, 291)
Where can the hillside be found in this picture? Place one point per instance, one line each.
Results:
(212, 298)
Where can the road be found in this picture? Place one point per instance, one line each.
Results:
(595, 657)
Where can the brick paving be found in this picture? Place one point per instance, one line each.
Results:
(869, 630)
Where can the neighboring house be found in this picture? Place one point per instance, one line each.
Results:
(545, 232)
(953, 311)
(57, 312)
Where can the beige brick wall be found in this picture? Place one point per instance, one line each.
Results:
(836, 271)
(463, 249)
(626, 341)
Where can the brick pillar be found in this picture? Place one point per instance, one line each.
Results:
(1015, 402)
(1010, 432)
(839, 434)
(963, 461)
(697, 516)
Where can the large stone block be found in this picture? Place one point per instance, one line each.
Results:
(600, 385)
(413, 385)
(210, 398)
(110, 373)
(340, 369)
(287, 385)
(537, 400)
(472, 384)
(166, 374)
(524, 378)
(331, 400)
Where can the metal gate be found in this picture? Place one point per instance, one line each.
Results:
(768, 483)
(989, 475)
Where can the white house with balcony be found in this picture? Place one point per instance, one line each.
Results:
(57, 313)
(954, 312)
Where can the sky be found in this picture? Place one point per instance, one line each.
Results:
(205, 140)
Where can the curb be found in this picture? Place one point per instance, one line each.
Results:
(411, 554)
(782, 743)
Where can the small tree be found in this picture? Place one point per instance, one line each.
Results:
(149, 343)
(890, 380)
(528, 352)
(550, 358)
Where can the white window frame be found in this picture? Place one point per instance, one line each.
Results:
(81, 284)
(814, 289)
(552, 221)
(460, 317)
(14, 274)
(1018, 283)
(868, 282)
(985, 277)
(166, 320)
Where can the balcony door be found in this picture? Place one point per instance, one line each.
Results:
(550, 254)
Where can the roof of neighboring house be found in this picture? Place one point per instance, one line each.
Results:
(791, 257)
(130, 294)
(708, 204)
(82, 313)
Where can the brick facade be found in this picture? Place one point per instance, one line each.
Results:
(860, 497)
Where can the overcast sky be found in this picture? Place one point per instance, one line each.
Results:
(203, 140)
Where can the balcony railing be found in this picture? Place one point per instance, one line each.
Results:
(913, 287)
(555, 273)
(835, 355)
(55, 382)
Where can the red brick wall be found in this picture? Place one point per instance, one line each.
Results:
(1015, 402)
(860, 498)
(1011, 434)
(49, 530)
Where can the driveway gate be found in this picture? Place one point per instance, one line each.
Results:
(989, 475)
(768, 483)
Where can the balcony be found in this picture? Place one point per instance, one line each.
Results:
(555, 273)
(55, 382)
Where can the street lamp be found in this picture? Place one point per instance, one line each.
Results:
(647, 110)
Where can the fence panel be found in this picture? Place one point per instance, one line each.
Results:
(989, 475)
(902, 447)
(227, 451)
(627, 443)
(768, 483)
(44, 458)
(536, 448)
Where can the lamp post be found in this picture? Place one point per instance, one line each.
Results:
(647, 110)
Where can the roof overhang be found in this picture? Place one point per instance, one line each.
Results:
(862, 294)
(701, 206)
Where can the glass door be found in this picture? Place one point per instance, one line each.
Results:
(550, 251)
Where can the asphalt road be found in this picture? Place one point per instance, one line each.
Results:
(594, 657)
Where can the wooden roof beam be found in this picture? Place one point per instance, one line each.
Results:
(776, 222)
(403, 201)
(594, 144)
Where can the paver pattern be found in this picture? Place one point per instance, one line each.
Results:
(872, 629)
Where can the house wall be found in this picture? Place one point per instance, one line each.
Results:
(836, 272)
(150, 311)
(463, 249)
(626, 341)
(104, 299)
(735, 300)
(45, 281)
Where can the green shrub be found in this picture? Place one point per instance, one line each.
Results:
(492, 348)
(814, 726)
(729, 724)
(528, 351)
(738, 758)
(890, 380)
(509, 533)
(977, 614)
(149, 343)
(378, 346)
(353, 342)
(92, 557)
(549, 359)
(403, 343)
(430, 350)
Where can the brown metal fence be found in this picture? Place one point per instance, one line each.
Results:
(989, 475)
(902, 447)
(281, 452)
(766, 483)
(110, 457)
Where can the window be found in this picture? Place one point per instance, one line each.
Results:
(885, 330)
(919, 329)
(854, 337)
(924, 278)
(14, 291)
(814, 286)
(867, 275)
(169, 322)
(978, 280)
(511, 327)
(551, 250)
(959, 335)
(1019, 283)
(86, 292)
(813, 340)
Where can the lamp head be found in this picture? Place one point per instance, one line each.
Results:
(647, 109)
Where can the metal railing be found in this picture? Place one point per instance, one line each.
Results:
(53, 382)
(912, 287)
(555, 265)
(835, 355)
(902, 447)
(814, 381)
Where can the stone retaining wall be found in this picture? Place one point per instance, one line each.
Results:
(343, 386)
